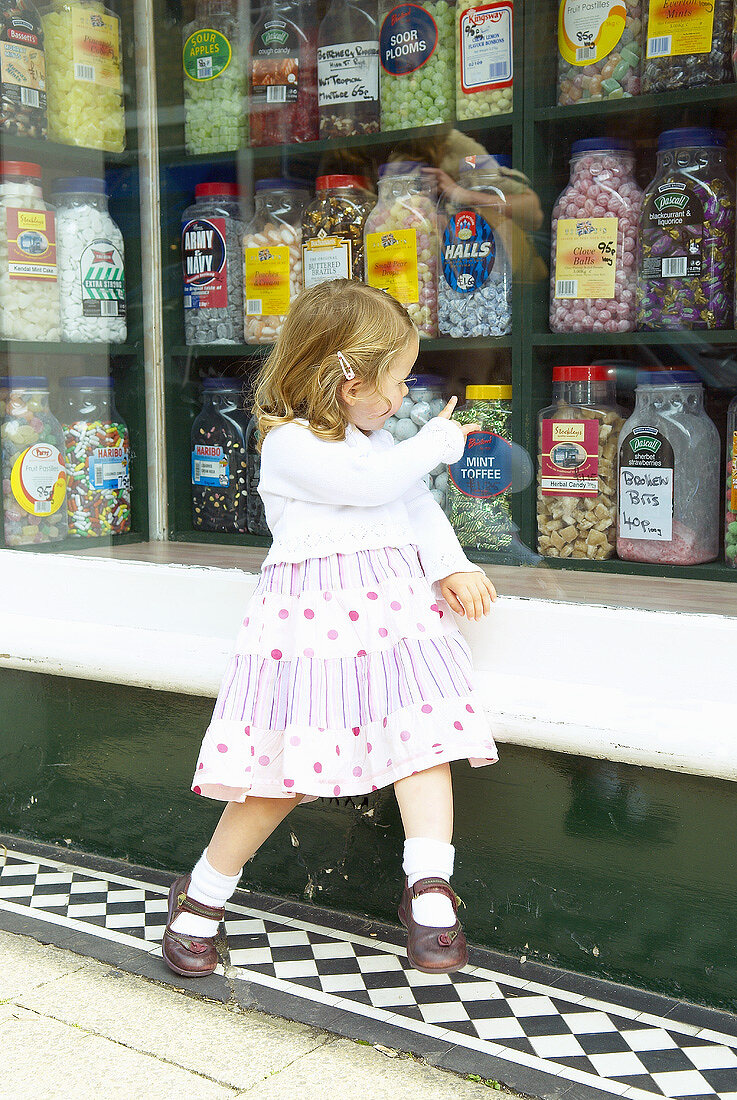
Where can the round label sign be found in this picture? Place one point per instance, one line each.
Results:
(408, 38)
(38, 479)
(469, 251)
(206, 54)
(485, 470)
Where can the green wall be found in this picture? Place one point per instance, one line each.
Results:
(606, 869)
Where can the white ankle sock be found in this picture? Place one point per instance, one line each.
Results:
(426, 858)
(211, 888)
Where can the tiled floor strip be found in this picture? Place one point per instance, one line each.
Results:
(541, 1031)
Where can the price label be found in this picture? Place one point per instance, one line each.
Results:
(646, 477)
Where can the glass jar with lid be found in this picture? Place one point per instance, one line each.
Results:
(255, 511)
(84, 75)
(23, 70)
(348, 69)
(215, 75)
(475, 281)
(417, 56)
(484, 58)
(599, 50)
(424, 400)
(577, 465)
(284, 73)
(730, 512)
(98, 458)
(219, 458)
(34, 472)
(594, 232)
(686, 275)
(212, 265)
(29, 289)
(401, 242)
(669, 474)
(272, 257)
(332, 229)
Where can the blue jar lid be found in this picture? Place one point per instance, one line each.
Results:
(282, 183)
(68, 184)
(690, 136)
(427, 381)
(221, 384)
(28, 382)
(88, 382)
(600, 145)
(667, 377)
(401, 168)
(487, 163)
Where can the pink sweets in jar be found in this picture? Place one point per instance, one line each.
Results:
(594, 233)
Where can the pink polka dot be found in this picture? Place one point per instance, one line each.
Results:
(197, 790)
(356, 731)
(361, 653)
(248, 731)
(384, 722)
(440, 613)
(222, 748)
(383, 632)
(358, 771)
(288, 782)
(263, 761)
(337, 750)
(309, 652)
(434, 607)
(317, 766)
(414, 773)
(309, 613)
(404, 735)
(374, 787)
(336, 790)
(369, 747)
(294, 740)
(458, 725)
(469, 708)
(327, 595)
(372, 595)
(246, 622)
(284, 614)
(200, 767)
(332, 634)
(320, 729)
(438, 747)
(395, 605)
(389, 763)
(426, 709)
(276, 654)
(421, 628)
(353, 615)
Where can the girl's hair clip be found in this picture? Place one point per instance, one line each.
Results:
(345, 366)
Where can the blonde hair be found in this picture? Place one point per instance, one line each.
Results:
(302, 375)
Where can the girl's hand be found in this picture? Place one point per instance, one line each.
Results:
(470, 594)
(447, 412)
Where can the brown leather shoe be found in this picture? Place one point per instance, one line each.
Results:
(432, 950)
(191, 956)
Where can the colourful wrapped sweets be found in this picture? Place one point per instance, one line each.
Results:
(215, 75)
(84, 75)
(686, 44)
(484, 52)
(332, 229)
(417, 56)
(594, 241)
(730, 511)
(599, 50)
(97, 459)
(22, 70)
(687, 238)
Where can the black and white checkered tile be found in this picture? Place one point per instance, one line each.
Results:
(538, 1030)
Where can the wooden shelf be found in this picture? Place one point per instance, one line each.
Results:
(662, 103)
(239, 351)
(25, 348)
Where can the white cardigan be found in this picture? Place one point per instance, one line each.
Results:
(364, 492)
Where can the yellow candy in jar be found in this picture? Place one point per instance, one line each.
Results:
(84, 75)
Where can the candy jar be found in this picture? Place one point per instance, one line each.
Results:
(91, 264)
(22, 70)
(475, 281)
(212, 266)
(484, 52)
(219, 459)
(599, 50)
(332, 229)
(284, 73)
(594, 241)
(272, 257)
(417, 55)
(214, 71)
(84, 75)
(669, 474)
(29, 290)
(348, 69)
(424, 400)
(686, 277)
(686, 45)
(401, 242)
(34, 474)
(255, 512)
(730, 514)
(97, 459)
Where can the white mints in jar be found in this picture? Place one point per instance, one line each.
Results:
(422, 403)
(29, 290)
(91, 263)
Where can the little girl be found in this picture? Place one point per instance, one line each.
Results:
(349, 670)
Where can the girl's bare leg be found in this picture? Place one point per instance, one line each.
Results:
(242, 829)
(426, 803)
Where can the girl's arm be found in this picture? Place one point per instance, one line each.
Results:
(440, 551)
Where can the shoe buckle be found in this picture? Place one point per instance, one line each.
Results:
(446, 938)
(181, 898)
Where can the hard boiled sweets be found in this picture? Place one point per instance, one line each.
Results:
(212, 266)
(34, 474)
(599, 50)
(484, 51)
(215, 81)
(272, 258)
(686, 45)
(417, 55)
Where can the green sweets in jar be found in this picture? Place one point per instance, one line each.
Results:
(417, 56)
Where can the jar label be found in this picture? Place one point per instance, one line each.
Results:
(733, 502)
(485, 470)
(38, 479)
(267, 287)
(102, 278)
(391, 260)
(675, 29)
(586, 257)
(31, 244)
(569, 465)
(486, 47)
(348, 72)
(325, 258)
(206, 54)
(96, 48)
(275, 64)
(469, 251)
(672, 224)
(588, 30)
(209, 466)
(205, 263)
(408, 38)
(22, 69)
(646, 469)
(108, 468)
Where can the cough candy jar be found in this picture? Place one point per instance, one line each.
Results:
(215, 78)
(599, 50)
(219, 459)
(34, 472)
(272, 257)
(212, 266)
(284, 73)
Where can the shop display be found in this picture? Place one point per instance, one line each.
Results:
(90, 256)
(417, 55)
(332, 229)
(730, 512)
(34, 474)
(219, 458)
(29, 290)
(577, 465)
(686, 276)
(484, 58)
(84, 75)
(97, 457)
(687, 45)
(212, 265)
(214, 71)
(599, 50)
(272, 257)
(348, 69)
(479, 485)
(424, 400)
(284, 73)
(401, 242)
(475, 282)
(669, 474)
(22, 70)
(255, 512)
(593, 237)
